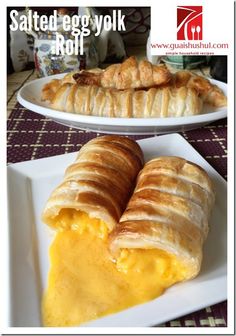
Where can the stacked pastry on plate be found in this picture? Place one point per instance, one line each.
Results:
(126, 231)
(132, 90)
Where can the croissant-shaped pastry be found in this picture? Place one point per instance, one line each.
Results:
(130, 74)
(210, 93)
(97, 101)
(95, 188)
(166, 219)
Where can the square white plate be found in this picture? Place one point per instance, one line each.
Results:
(29, 185)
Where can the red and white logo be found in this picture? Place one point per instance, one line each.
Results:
(189, 23)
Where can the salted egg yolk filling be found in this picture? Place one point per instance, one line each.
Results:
(70, 219)
(85, 283)
(152, 270)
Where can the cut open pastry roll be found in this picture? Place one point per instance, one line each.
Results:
(162, 230)
(96, 187)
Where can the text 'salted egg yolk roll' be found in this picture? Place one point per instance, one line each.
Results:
(96, 187)
(162, 230)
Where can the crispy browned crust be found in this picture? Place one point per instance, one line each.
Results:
(97, 101)
(49, 90)
(133, 89)
(128, 75)
(210, 93)
(169, 209)
(87, 78)
(99, 182)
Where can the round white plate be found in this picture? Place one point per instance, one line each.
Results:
(29, 97)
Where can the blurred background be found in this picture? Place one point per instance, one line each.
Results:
(32, 50)
(22, 47)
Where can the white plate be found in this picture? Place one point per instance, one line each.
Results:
(29, 97)
(30, 184)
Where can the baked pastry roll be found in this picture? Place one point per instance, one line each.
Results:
(166, 221)
(130, 74)
(96, 187)
(211, 94)
(49, 89)
(152, 103)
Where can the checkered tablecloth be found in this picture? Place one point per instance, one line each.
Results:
(31, 136)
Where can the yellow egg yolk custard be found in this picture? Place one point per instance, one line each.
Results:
(85, 282)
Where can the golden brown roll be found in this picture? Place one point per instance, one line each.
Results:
(152, 103)
(131, 74)
(166, 219)
(127, 89)
(96, 187)
(211, 94)
(49, 89)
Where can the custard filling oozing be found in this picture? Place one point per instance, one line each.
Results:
(84, 283)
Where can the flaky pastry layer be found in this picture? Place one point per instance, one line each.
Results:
(169, 210)
(98, 183)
